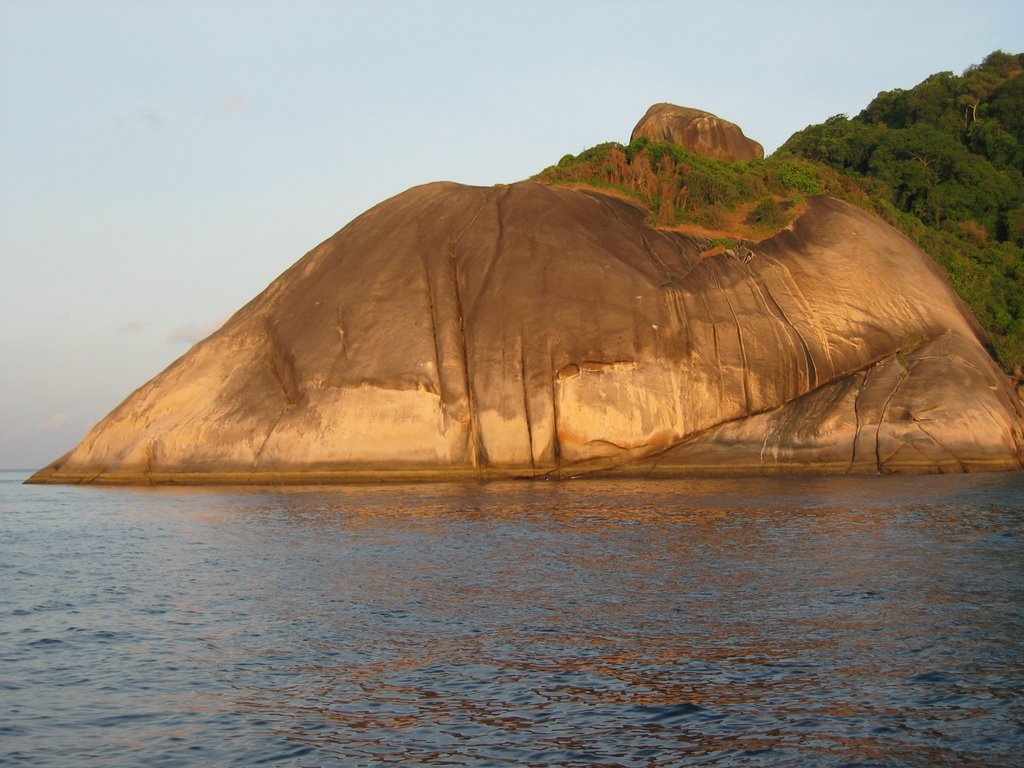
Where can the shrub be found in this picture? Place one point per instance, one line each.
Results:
(767, 214)
(799, 176)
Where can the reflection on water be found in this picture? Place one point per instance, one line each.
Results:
(869, 621)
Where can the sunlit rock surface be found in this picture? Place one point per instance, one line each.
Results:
(702, 132)
(531, 330)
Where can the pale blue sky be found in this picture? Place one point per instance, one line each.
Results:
(161, 162)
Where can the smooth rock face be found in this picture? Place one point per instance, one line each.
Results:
(702, 132)
(536, 330)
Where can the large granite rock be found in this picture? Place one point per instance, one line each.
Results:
(704, 133)
(535, 330)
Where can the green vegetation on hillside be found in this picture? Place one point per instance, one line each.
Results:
(680, 187)
(946, 158)
(943, 161)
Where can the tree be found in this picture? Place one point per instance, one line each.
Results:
(978, 84)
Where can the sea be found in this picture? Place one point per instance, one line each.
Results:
(869, 621)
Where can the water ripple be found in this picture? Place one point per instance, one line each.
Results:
(870, 622)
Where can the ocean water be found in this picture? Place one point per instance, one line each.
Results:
(786, 622)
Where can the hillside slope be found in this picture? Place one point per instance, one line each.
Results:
(532, 330)
(942, 162)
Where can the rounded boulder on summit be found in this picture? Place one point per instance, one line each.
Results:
(543, 331)
(704, 133)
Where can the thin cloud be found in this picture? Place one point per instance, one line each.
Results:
(53, 423)
(147, 117)
(232, 103)
(191, 333)
(152, 119)
(133, 326)
(158, 121)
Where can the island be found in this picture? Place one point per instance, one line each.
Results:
(553, 330)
